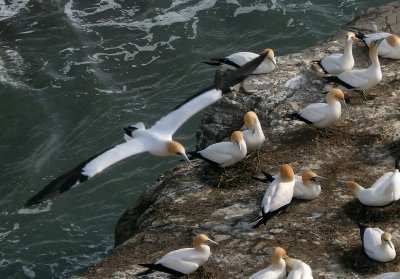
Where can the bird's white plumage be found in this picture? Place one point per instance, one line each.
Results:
(254, 137)
(299, 270)
(152, 140)
(383, 192)
(278, 194)
(305, 192)
(277, 271)
(241, 58)
(337, 63)
(225, 154)
(364, 79)
(374, 247)
(322, 115)
(385, 49)
(186, 260)
(388, 275)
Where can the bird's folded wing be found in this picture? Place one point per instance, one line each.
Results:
(175, 119)
(268, 197)
(312, 113)
(181, 265)
(381, 179)
(355, 78)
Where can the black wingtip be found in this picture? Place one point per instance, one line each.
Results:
(159, 267)
(129, 130)
(212, 63)
(318, 62)
(362, 230)
(297, 116)
(360, 35)
(196, 155)
(269, 215)
(336, 80)
(268, 176)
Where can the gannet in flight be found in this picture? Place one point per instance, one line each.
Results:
(157, 140)
(183, 261)
(361, 79)
(390, 46)
(277, 269)
(377, 244)
(323, 115)
(238, 59)
(337, 63)
(278, 196)
(297, 269)
(224, 154)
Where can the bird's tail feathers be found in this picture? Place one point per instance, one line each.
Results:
(148, 271)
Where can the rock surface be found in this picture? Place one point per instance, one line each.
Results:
(196, 198)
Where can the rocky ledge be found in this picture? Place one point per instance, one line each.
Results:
(196, 198)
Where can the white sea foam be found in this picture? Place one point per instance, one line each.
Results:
(257, 7)
(28, 271)
(11, 9)
(36, 210)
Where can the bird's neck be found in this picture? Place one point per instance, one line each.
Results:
(202, 248)
(257, 128)
(348, 49)
(373, 55)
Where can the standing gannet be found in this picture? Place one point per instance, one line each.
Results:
(297, 269)
(383, 192)
(157, 140)
(323, 115)
(183, 261)
(253, 135)
(377, 244)
(238, 59)
(390, 46)
(277, 269)
(361, 79)
(388, 275)
(224, 154)
(278, 195)
(337, 63)
(306, 187)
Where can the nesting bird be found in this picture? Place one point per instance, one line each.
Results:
(253, 135)
(183, 261)
(361, 79)
(278, 195)
(323, 115)
(238, 59)
(157, 140)
(383, 192)
(337, 63)
(277, 269)
(388, 275)
(297, 269)
(390, 46)
(377, 244)
(223, 154)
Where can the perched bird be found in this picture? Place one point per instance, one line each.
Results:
(277, 269)
(253, 135)
(323, 115)
(388, 275)
(377, 244)
(337, 63)
(223, 154)
(238, 59)
(183, 261)
(390, 46)
(383, 192)
(306, 187)
(157, 140)
(297, 269)
(278, 195)
(361, 79)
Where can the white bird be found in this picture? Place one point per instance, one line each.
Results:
(157, 140)
(361, 79)
(278, 196)
(277, 269)
(323, 115)
(253, 135)
(383, 192)
(297, 269)
(337, 63)
(377, 244)
(183, 261)
(390, 46)
(306, 187)
(388, 275)
(224, 154)
(238, 59)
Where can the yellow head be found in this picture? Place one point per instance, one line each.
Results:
(386, 238)
(354, 186)
(350, 36)
(249, 118)
(200, 239)
(177, 149)
(307, 176)
(277, 254)
(286, 173)
(335, 94)
(393, 40)
(269, 54)
(237, 136)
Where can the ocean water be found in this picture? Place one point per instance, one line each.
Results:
(74, 73)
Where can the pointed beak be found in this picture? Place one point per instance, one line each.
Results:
(240, 147)
(212, 241)
(342, 184)
(184, 157)
(285, 257)
(344, 102)
(317, 179)
(390, 243)
(274, 62)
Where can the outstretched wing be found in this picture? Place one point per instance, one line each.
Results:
(87, 169)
